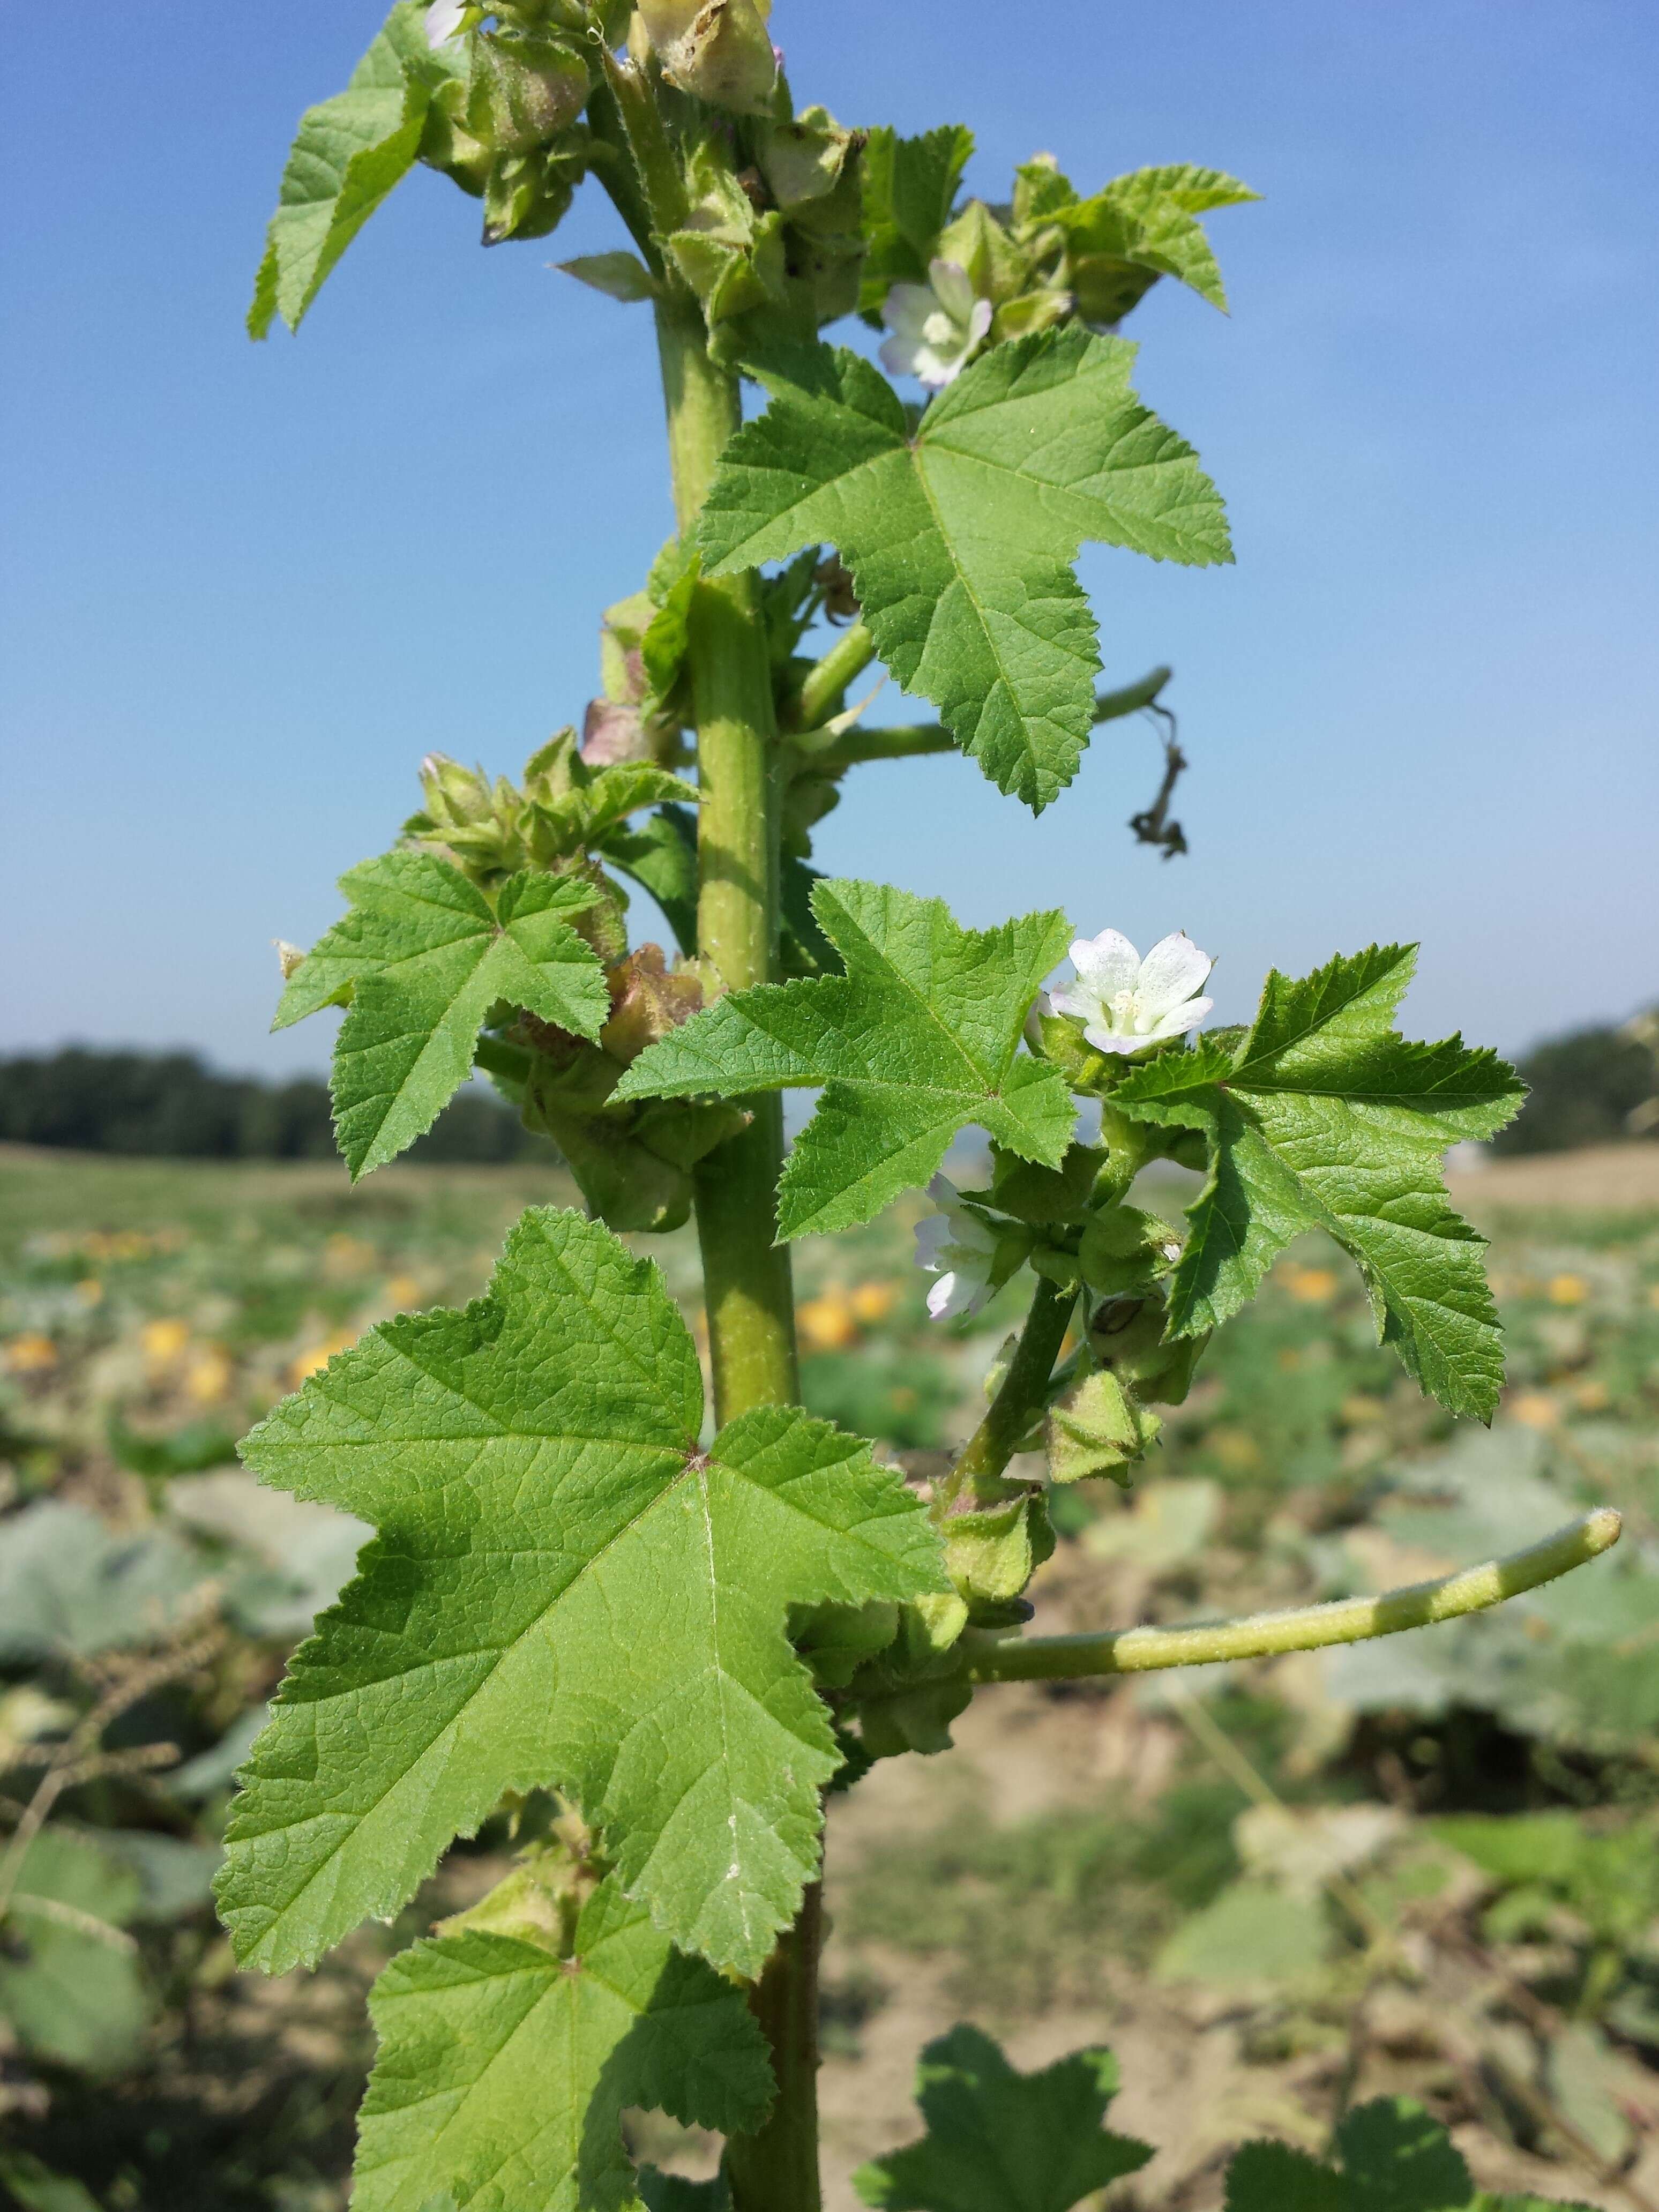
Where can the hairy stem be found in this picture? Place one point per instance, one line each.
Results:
(820, 695)
(1305, 1628)
(1017, 1404)
(830, 751)
(746, 1278)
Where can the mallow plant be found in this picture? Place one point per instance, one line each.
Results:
(655, 1614)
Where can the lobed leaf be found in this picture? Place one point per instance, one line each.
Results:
(504, 2067)
(419, 961)
(1002, 2141)
(1323, 1117)
(349, 154)
(910, 188)
(1391, 2156)
(961, 535)
(918, 1040)
(565, 1592)
(1141, 227)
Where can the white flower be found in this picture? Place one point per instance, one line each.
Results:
(936, 326)
(446, 19)
(958, 1247)
(1125, 1002)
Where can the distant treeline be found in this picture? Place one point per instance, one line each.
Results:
(1592, 1087)
(171, 1106)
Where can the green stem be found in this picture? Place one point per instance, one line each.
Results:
(1307, 1628)
(831, 750)
(747, 1291)
(1017, 1404)
(820, 693)
(615, 167)
(662, 181)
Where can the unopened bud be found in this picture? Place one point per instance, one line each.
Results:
(718, 50)
(454, 794)
(524, 91)
(289, 957)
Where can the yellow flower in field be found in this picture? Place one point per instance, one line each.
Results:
(164, 1340)
(828, 1323)
(1311, 1286)
(871, 1302)
(1568, 1290)
(89, 1291)
(1535, 1409)
(1592, 1397)
(315, 1357)
(209, 1376)
(401, 1291)
(30, 1353)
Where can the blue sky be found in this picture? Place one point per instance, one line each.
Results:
(245, 588)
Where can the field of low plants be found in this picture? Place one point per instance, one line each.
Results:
(1426, 1864)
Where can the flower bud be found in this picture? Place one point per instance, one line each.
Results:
(289, 957)
(524, 91)
(720, 50)
(646, 1001)
(454, 794)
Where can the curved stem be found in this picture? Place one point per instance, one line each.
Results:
(820, 693)
(1306, 1628)
(829, 750)
(1016, 1405)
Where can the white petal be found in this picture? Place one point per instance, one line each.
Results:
(1172, 971)
(933, 1235)
(948, 1296)
(1111, 1040)
(907, 307)
(1082, 1004)
(952, 288)
(1183, 1018)
(979, 322)
(943, 1191)
(443, 19)
(933, 370)
(1108, 962)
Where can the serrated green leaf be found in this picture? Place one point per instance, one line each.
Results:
(1002, 2141)
(505, 2067)
(1271, 2176)
(1323, 1117)
(919, 1039)
(909, 187)
(961, 534)
(565, 1592)
(350, 153)
(1392, 2156)
(605, 797)
(1396, 2157)
(420, 960)
(1142, 226)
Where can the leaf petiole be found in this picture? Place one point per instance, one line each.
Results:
(1303, 1628)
